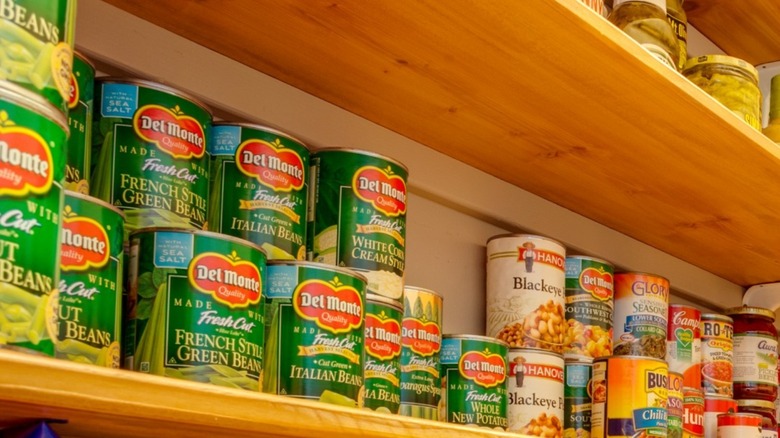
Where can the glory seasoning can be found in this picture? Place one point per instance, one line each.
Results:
(525, 291)
(674, 406)
(717, 349)
(683, 343)
(641, 312)
(197, 306)
(739, 425)
(92, 258)
(535, 392)
(693, 416)
(589, 304)
(80, 100)
(154, 162)
(382, 371)
(315, 332)
(577, 396)
(715, 405)
(474, 381)
(358, 216)
(32, 161)
(259, 188)
(421, 338)
(755, 353)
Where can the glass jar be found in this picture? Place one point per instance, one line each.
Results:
(755, 353)
(679, 21)
(645, 21)
(764, 408)
(772, 130)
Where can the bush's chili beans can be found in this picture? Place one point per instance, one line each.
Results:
(535, 392)
(589, 305)
(382, 370)
(641, 312)
(693, 413)
(80, 100)
(577, 400)
(683, 343)
(525, 291)
(674, 405)
(715, 405)
(739, 425)
(474, 381)
(717, 350)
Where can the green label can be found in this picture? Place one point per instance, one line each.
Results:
(590, 296)
(420, 367)
(92, 257)
(260, 188)
(153, 162)
(32, 162)
(37, 49)
(577, 396)
(474, 380)
(80, 99)
(315, 347)
(382, 372)
(198, 309)
(358, 216)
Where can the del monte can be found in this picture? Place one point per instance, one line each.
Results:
(382, 371)
(80, 101)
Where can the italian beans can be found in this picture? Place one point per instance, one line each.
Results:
(717, 349)
(641, 314)
(739, 425)
(382, 368)
(32, 161)
(421, 338)
(525, 291)
(153, 161)
(535, 392)
(80, 100)
(315, 332)
(92, 262)
(260, 188)
(715, 405)
(358, 216)
(629, 410)
(674, 405)
(474, 381)
(683, 343)
(577, 396)
(693, 415)
(197, 305)
(589, 304)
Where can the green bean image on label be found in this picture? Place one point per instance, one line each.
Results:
(80, 101)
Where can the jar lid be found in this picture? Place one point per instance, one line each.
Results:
(747, 310)
(763, 404)
(659, 3)
(716, 317)
(723, 60)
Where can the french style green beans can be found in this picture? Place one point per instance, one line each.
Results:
(153, 162)
(196, 301)
(32, 161)
(92, 257)
(382, 372)
(80, 100)
(260, 188)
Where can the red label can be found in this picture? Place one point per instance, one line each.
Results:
(739, 426)
(693, 413)
(683, 343)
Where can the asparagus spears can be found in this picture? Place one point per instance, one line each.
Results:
(82, 91)
(260, 188)
(92, 257)
(196, 300)
(381, 371)
(32, 161)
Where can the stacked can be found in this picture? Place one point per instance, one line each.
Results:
(641, 314)
(717, 346)
(715, 405)
(683, 343)
(577, 397)
(381, 370)
(693, 413)
(82, 90)
(674, 406)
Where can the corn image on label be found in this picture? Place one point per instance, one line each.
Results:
(80, 100)
(382, 372)
(589, 304)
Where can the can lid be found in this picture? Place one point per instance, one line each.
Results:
(747, 310)
(592, 259)
(422, 289)
(156, 86)
(26, 98)
(723, 60)
(763, 404)
(318, 265)
(204, 233)
(84, 59)
(263, 128)
(527, 237)
(326, 150)
(96, 201)
(476, 338)
(716, 317)
(387, 301)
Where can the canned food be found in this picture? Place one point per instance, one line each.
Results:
(755, 353)
(474, 381)
(82, 91)
(525, 291)
(358, 216)
(715, 405)
(766, 410)
(693, 416)
(577, 400)
(683, 343)
(641, 310)
(259, 188)
(196, 302)
(314, 327)
(589, 304)
(675, 409)
(739, 425)
(717, 346)
(381, 371)
(535, 392)
(92, 258)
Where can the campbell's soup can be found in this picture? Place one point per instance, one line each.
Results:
(535, 392)
(629, 397)
(381, 368)
(717, 351)
(715, 405)
(589, 305)
(693, 415)
(674, 405)
(683, 343)
(577, 400)
(641, 314)
(525, 291)
(739, 426)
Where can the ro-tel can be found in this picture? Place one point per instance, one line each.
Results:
(314, 327)
(37, 50)
(693, 416)
(421, 338)
(259, 188)
(589, 304)
(535, 392)
(629, 397)
(382, 368)
(92, 258)
(80, 100)
(577, 396)
(717, 348)
(198, 309)
(715, 405)
(683, 343)
(755, 353)
(739, 425)
(357, 216)
(32, 161)
(153, 162)
(641, 309)
(674, 405)
(474, 381)
(525, 291)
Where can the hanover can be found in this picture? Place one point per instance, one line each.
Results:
(535, 392)
(717, 349)
(577, 396)
(80, 100)
(641, 314)
(589, 304)
(382, 371)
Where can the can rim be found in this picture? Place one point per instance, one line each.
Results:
(361, 152)
(33, 102)
(649, 274)
(750, 310)
(475, 338)
(526, 236)
(96, 201)
(84, 59)
(381, 299)
(204, 233)
(756, 403)
(630, 358)
(155, 86)
(318, 265)
(537, 350)
(730, 61)
(578, 358)
(422, 289)
(716, 317)
(260, 127)
(593, 259)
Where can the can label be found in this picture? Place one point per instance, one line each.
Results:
(717, 349)
(358, 217)
(525, 292)
(90, 313)
(641, 311)
(693, 416)
(80, 100)
(589, 303)
(260, 188)
(680, 28)
(577, 402)
(683, 343)
(382, 371)
(535, 392)
(739, 425)
(755, 359)
(675, 409)
(714, 406)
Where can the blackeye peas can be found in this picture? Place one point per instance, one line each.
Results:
(197, 304)
(577, 396)
(80, 101)
(153, 162)
(32, 161)
(315, 331)
(589, 304)
(260, 188)
(536, 394)
(421, 337)
(382, 368)
(474, 381)
(358, 216)
(641, 315)
(92, 258)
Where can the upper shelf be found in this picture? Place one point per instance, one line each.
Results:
(544, 94)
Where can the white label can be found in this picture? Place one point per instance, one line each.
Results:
(535, 392)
